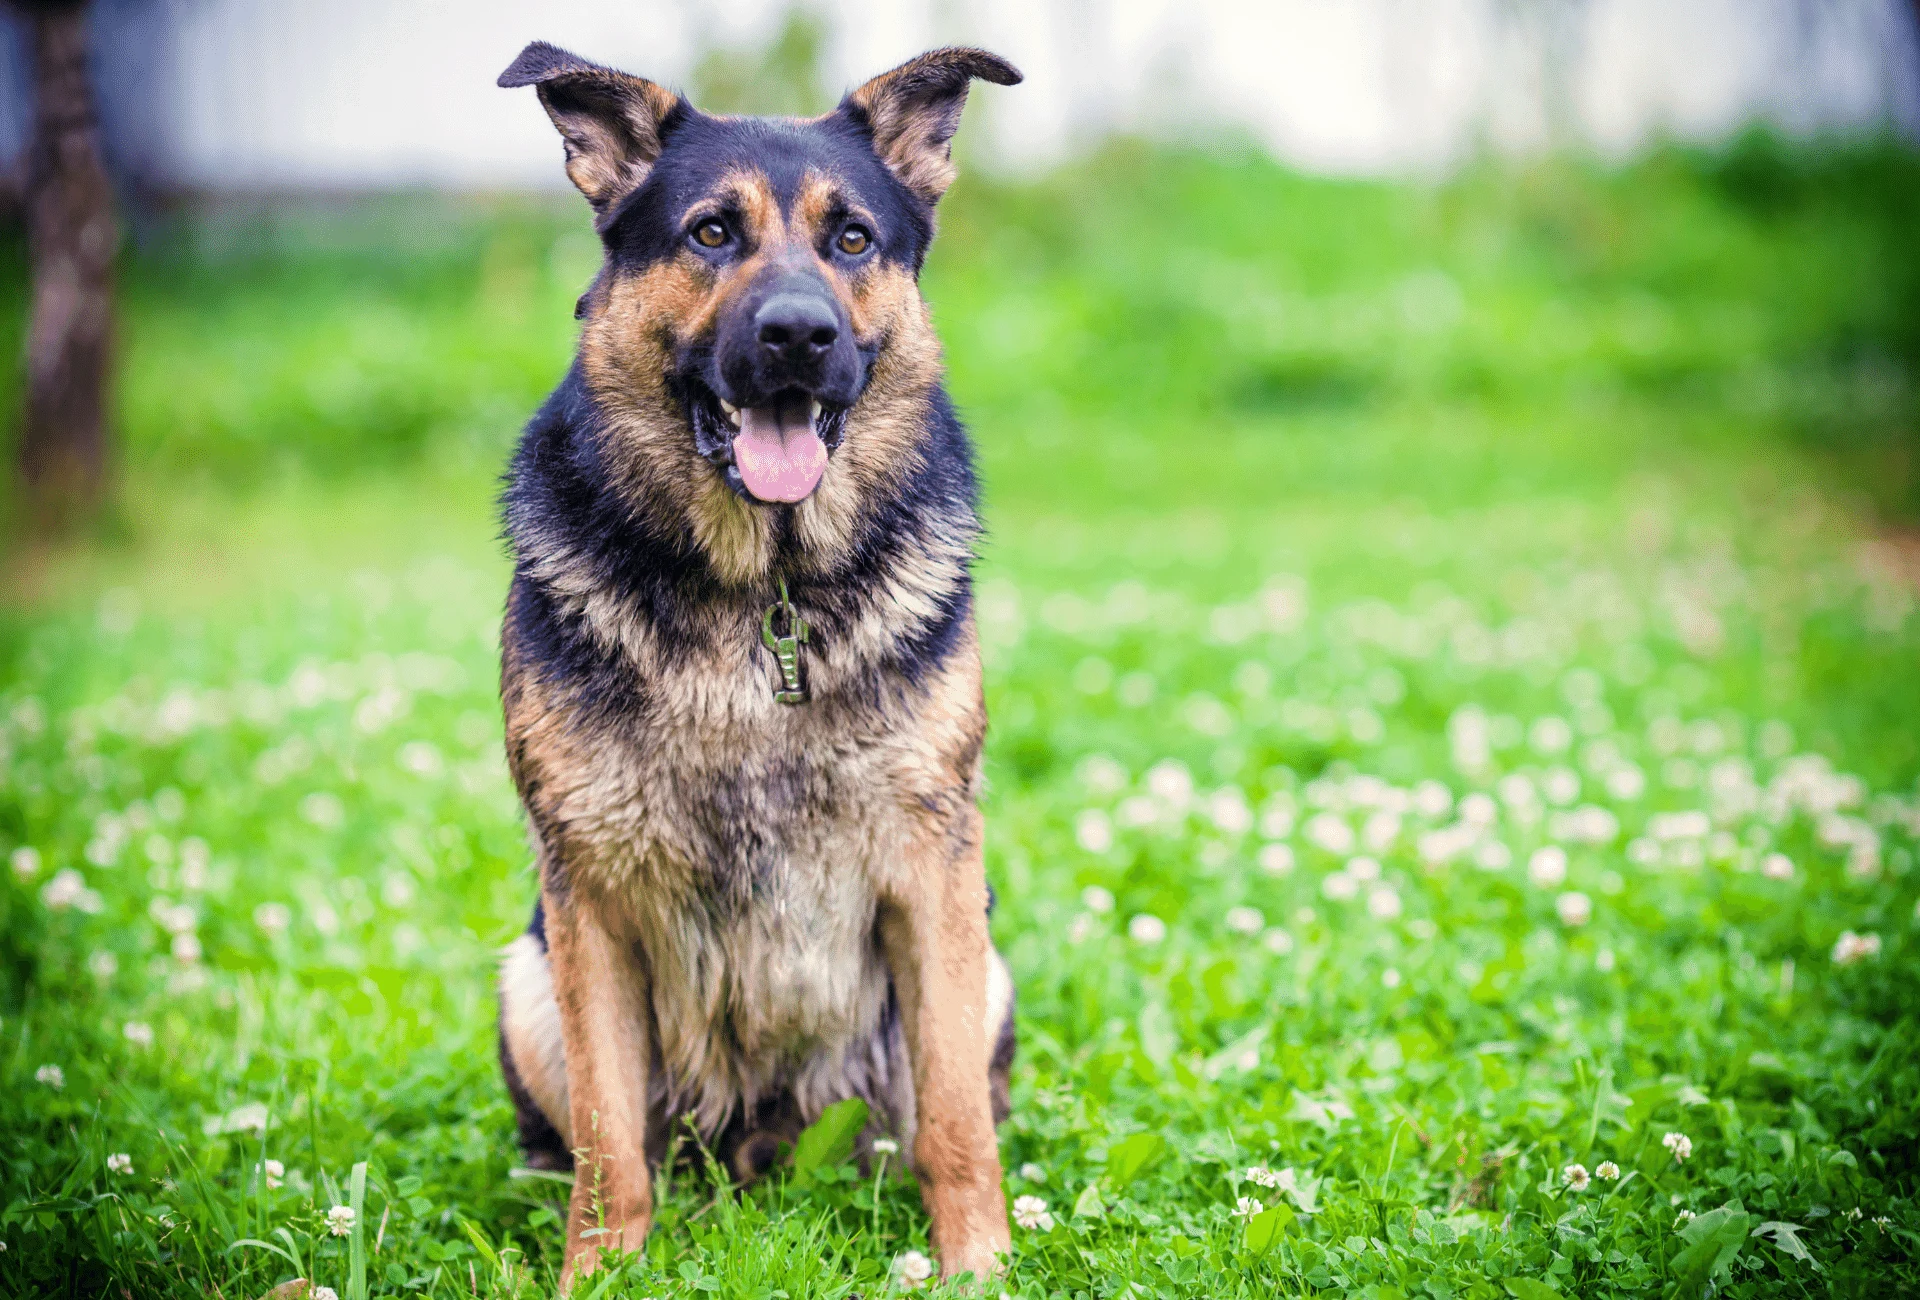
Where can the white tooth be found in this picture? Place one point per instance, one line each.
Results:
(731, 411)
(814, 414)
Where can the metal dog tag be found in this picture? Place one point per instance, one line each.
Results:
(786, 648)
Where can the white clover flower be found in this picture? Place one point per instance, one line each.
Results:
(1033, 1173)
(1390, 978)
(1479, 809)
(1277, 941)
(1031, 1212)
(51, 1075)
(1230, 811)
(1330, 832)
(1245, 920)
(1680, 1144)
(1626, 782)
(1855, 1213)
(1437, 848)
(25, 861)
(120, 1163)
(1380, 831)
(1146, 928)
(67, 888)
(1276, 859)
(1383, 903)
(324, 1293)
(1550, 735)
(1101, 774)
(103, 964)
(1882, 1222)
(1576, 1177)
(1548, 866)
(1245, 1207)
(1492, 855)
(1340, 887)
(1432, 799)
(1171, 783)
(1517, 792)
(1851, 947)
(1574, 907)
(186, 948)
(1262, 1176)
(139, 1033)
(912, 1268)
(885, 1147)
(274, 918)
(1082, 927)
(275, 1171)
(325, 810)
(1097, 900)
(1589, 824)
(1607, 1170)
(1363, 868)
(1777, 866)
(1093, 831)
(1561, 785)
(1685, 1217)
(1276, 816)
(340, 1220)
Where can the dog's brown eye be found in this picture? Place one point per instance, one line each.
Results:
(710, 234)
(853, 241)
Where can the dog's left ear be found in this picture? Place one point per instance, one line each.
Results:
(913, 111)
(614, 125)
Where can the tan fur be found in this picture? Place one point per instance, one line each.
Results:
(914, 109)
(610, 122)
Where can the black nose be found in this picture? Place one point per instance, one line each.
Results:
(796, 327)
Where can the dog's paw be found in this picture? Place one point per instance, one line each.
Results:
(981, 1262)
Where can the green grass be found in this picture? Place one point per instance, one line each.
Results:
(1325, 517)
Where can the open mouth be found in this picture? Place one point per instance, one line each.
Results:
(774, 452)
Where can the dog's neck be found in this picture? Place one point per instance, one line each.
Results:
(637, 555)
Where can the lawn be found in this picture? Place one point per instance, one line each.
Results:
(1453, 793)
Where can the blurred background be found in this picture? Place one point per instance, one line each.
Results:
(300, 244)
(329, 246)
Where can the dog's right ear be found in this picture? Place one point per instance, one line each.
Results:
(613, 124)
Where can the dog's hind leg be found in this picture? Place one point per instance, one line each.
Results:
(1000, 1034)
(531, 1056)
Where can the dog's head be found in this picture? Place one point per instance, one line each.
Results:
(760, 285)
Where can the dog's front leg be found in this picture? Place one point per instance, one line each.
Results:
(600, 987)
(934, 927)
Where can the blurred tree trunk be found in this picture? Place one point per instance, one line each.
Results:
(64, 451)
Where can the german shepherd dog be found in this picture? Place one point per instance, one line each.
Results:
(739, 667)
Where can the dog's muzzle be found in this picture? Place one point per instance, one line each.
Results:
(787, 369)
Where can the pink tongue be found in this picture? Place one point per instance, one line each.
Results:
(780, 456)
